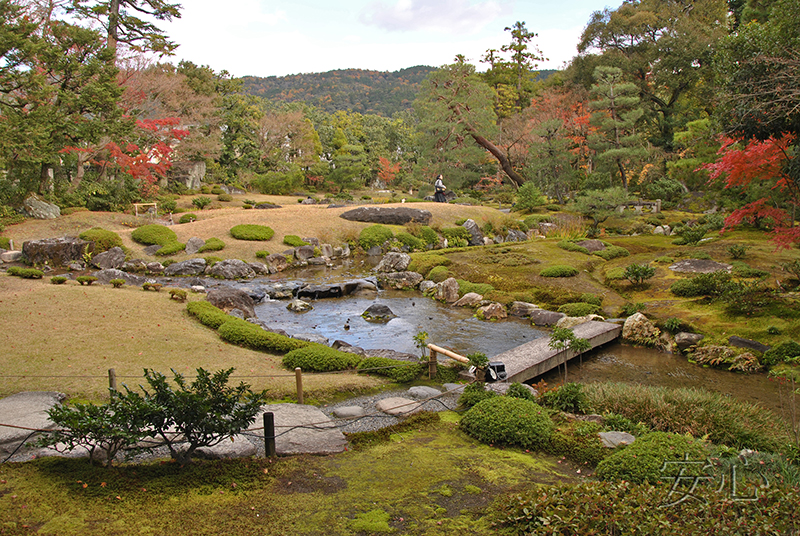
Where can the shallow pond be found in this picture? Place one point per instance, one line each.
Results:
(455, 328)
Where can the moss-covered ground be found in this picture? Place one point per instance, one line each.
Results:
(432, 480)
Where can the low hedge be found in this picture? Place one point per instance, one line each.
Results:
(407, 239)
(102, 238)
(580, 309)
(559, 270)
(249, 231)
(212, 244)
(374, 235)
(503, 420)
(26, 273)
(569, 245)
(319, 358)
(428, 236)
(189, 217)
(153, 234)
(399, 371)
(171, 248)
(612, 252)
(242, 333)
(208, 314)
(642, 460)
(294, 241)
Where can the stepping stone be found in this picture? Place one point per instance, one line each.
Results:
(398, 406)
(613, 440)
(421, 392)
(29, 410)
(348, 412)
(240, 447)
(301, 429)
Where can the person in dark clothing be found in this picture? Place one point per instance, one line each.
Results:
(439, 186)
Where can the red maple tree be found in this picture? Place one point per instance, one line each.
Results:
(388, 171)
(740, 164)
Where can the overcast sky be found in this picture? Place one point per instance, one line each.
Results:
(278, 38)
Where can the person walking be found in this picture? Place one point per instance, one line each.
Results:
(439, 188)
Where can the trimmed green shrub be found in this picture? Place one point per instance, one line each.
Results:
(438, 274)
(423, 263)
(153, 234)
(319, 358)
(58, 280)
(208, 315)
(503, 420)
(559, 270)
(242, 333)
(102, 238)
(399, 371)
(189, 217)
(225, 198)
(642, 461)
(568, 397)
(26, 273)
(212, 260)
(594, 299)
(155, 287)
(741, 269)
(465, 287)
(713, 285)
(579, 309)
(374, 235)
(517, 390)
(407, 239)
(212, 244)
(569, 245)
(248, 231)
(783, 353)
(455, 233)
(262, 254)
(177, 294)
(217, 190)
(637, 274)
(117, 283)
(86, 279)
(171, 248)
(429, 236)
(474, 393)
(612, 252)
(294, 241)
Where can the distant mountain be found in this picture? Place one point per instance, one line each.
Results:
(367, 92)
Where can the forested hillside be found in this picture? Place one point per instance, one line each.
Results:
(357, 90)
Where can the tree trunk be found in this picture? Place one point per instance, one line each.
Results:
(498, 154)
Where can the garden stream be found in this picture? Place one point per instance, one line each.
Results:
(456, 329)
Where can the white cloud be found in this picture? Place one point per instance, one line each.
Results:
(450, 16)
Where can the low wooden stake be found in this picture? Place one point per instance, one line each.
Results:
(269, 434)
(298, 374)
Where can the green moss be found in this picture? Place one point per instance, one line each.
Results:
(423, 263)
(410, 240)
(438, 274)
(559, 271)
(170, 248)
(612, 252)
(569, 245)
(371, 522)
(374, 235)
(579, 309)
(465, 287)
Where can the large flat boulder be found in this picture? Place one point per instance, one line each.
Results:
(227, 299)
(388, 215)
(56, 251)
(39, 209)
(301, 429)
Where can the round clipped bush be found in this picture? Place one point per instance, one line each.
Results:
(189, 217)
(249, 231)
(580, 309)
(208, 314)
(225, 198)
(438, 274)
(559, 270)
(374, 235)
(474, 393)
(294, 241)
(429, 236)
(319, 358)
(612, 252)
(102, 238)
(399, 371)
(407, 239)
(86, 279)
(262, 254)
(242, 333)
(153, 234)
(117, 283)
(504, 420)
(58, 280)
(517, 390)
(212, 244)
(643, 460)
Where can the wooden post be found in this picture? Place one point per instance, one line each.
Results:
(298, 374)
(112, 379)
(269, 434)
(432, 362)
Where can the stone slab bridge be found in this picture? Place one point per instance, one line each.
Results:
(534, 358)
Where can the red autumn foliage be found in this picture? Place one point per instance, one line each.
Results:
(740, 165)
(388, 171)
